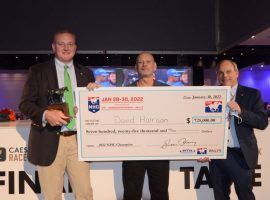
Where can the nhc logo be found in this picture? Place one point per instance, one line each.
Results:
(3, 154)
(213, 106)
(202, 151)
(93, 104)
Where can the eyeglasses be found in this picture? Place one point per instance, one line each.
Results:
(62, 44)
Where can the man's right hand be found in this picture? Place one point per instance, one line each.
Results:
(56, 117)
(92, 86)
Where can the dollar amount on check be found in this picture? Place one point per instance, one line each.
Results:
(151, 123)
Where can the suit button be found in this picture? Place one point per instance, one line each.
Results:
(57, 133)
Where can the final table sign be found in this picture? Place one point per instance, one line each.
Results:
(152, 123)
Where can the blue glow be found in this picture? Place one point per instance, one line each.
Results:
(258, 78)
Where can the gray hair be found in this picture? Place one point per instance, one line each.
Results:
(227, 60)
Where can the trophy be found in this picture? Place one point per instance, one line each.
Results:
(55, 99)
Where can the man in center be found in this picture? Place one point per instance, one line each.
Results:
(157, 170)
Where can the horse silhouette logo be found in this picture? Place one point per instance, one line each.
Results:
(213, 106)
(201, 151)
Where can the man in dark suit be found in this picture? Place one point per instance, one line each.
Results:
(157, 170)
(52, 142)
(246, 113)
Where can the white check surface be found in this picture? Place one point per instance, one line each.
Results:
(151, 123)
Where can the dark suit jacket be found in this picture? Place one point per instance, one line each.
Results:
(43, 141)
(253, 116)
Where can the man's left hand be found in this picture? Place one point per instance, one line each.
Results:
(234, 107)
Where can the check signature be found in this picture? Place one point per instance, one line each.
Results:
(180, 142)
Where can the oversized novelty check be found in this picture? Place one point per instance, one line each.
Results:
(152, 123)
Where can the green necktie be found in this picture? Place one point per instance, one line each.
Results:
(68, 95)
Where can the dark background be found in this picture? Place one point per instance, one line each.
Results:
(120, 25)
(239, 19)
(166, 26)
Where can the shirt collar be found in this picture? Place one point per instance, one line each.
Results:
(233, 89)
(60, 63)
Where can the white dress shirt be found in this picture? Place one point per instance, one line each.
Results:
(60, 77)
(232, 137)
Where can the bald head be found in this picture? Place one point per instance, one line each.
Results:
(145, 54)
(145, 65)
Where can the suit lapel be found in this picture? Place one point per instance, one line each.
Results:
(239, 94)
(52, 75)
(79, 74)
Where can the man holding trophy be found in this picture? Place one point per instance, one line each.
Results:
(48, 99)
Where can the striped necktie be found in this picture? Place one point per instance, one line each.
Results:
(230, 112)
(68, 95)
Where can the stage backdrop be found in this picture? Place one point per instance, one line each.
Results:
(255, 76)
(188, 179)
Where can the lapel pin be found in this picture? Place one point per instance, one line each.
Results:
(81, 73)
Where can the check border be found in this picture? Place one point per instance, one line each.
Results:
(79, 91)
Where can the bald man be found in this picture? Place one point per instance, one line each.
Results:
(157, 170)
